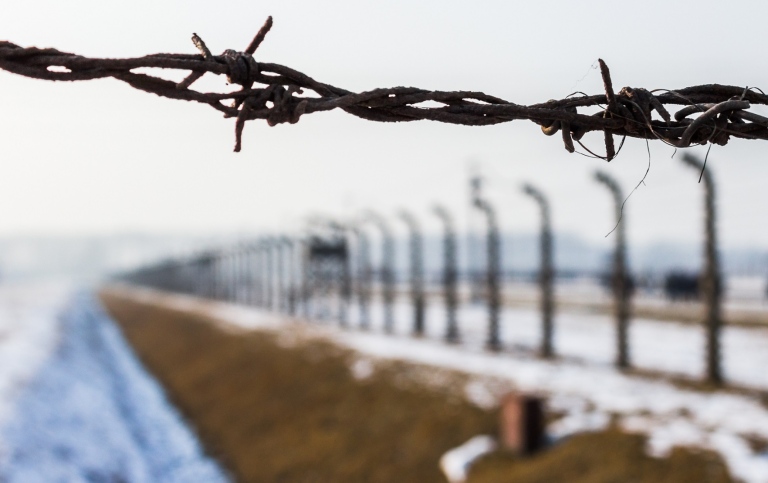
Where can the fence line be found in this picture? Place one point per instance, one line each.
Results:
(317, 293)
(320, 273)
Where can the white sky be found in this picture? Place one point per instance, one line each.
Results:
(99, 157)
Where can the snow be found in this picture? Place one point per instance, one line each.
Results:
(362, 369)
(742, 293)
(28, 335)
(664, 346)
(88, 411)
(456, 462)
(583, 386)
(480, 395)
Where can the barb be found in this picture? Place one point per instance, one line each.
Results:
(280, 98)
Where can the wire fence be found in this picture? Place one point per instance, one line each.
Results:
(280, 94)
(327, 274)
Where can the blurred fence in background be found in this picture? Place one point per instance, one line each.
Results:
(326, 273)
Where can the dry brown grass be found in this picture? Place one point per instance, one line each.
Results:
(295, 414)
(274, 412)
(605, 457)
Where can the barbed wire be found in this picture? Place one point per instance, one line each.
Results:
(287, 94)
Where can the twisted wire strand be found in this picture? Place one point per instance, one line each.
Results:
(279, 94)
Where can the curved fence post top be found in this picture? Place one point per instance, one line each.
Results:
(409, 220)
(486, 207)
(378, 220)
(611, 183)
(442, 212)
(691, 160)
(699, 164)
(605, 178)
(534, 193)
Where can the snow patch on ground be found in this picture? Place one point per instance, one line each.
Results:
(714, 421)
(480, 395)
(29, 332)
(362, 369)
(457, 462)
(93, 414)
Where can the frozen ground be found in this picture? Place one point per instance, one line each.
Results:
(670, 347)
(28, 335)
(588, 392)
(77, 405)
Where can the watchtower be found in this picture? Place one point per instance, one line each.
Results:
(327, 274)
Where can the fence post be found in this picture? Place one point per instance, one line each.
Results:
(546, 272)
(240, 272)
(345, 284)
(387, 269)
(253, 277)
(290, 269)
(416, 271)
(304, 268)
(231, 275)
(213, 286)
(258, 273)
(620, 280)
(450, 274)
(198, 276)
(711, 279)
(279, 299)
(226, 266)
(247, 274)
(234, 271)
(363, 278)
(203, 276)
(240, 268)
(217, 279)
(269, 274)
(492, 274)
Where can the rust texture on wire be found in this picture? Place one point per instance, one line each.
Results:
(280, 94)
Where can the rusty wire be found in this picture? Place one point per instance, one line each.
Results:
(722, 110)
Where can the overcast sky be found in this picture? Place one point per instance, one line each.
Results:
(100, 157)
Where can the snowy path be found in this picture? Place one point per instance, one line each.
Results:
(83, 409)
(588, 394)
(28, 336)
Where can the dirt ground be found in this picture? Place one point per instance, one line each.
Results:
(273, 409)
